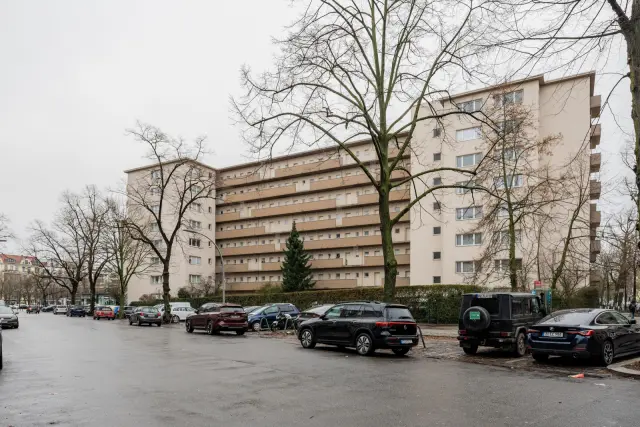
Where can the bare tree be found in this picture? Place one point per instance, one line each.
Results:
(161, 199)
(128, 257)
(62, 250)
(90, 214)
(366, 69)
(5, 232)
(42, 284)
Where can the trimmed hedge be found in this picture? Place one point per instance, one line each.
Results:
(430, 304)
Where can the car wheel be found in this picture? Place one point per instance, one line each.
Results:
(0, 359)
(364, 344)
(130, 322)
(159, 324)
(471, 350)
(540, 357)
(138, 323)
(520, 347)
(240, 332)
(256, 326)
(188, 327)
(400, 351)
(210, 327)
(307, 339)
(175, 319)
(607, 354)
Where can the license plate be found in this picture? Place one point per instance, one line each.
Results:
(234, 317)
(406, 342)
(553, 334)
(474, 315)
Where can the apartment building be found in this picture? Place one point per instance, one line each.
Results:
(335, 208)
(449, 244)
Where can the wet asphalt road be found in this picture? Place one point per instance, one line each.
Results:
(80, 372)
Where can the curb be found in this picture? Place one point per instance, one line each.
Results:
(620, 368)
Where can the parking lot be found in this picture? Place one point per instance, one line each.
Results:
(76, 371)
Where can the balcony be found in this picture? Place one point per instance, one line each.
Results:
(250, 250)
(316, 225)
(378, 261)
(293, 208)
(595, 162)
(245, 232)
(343, 243)
(267, 193)
(594, 189)
(596, 105)
(368, 199)
(226, 217)
(233, 268)
(595, 135)
(594, 216)
(308, 168)
(595, 246)
(320, 284)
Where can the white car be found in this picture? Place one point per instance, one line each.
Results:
(179, 311)
(60, 309)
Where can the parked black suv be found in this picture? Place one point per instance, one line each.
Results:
(498, 320)
(365, 325)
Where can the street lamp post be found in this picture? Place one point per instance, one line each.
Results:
(224, 282)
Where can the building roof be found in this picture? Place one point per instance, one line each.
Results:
(539, 77)
(155, 165)
(17, 258)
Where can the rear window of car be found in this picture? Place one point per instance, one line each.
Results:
(398, 313)
(491, 304)
(106, 309)
(286, 307)
(231, 310)
(62, 306)
(150, 310)
(568, 318)
(5, 310)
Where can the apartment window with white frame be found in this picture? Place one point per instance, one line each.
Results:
(467, 160)
(155, 174)
(503, 236)
(461, 190)
(156, 280)
(195, 279)
(197, 207)
(512, 154)
(155, 191)
(155, 209)
(469, 239)
(195, 224)
(194, 243)
(470, 106)
(469, 134)
(153, 226)
(502, 265)
(464, 267)
(195, 260)
(154, 260)
(472, 212)
(513, 181)
(514, 97)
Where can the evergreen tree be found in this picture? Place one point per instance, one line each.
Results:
(296, 271)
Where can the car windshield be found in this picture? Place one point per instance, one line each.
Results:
(398, 313)
(491, 304)
(321, 309)
(568, 318)
(231, 310)
(5, 310)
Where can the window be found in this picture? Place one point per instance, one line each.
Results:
(436, 132)
(397, 231)
(470, 106)
(154, 260)
(468, 160)
(195, 243)
(472, 212)
(155, 209)
(195, 224)
(334, 312)
(461, 190)
(469, 239)
(516, 307)
(606, 318)
(437, 231)
(155, 174)
(153, 226)
(209, 226)
(502, 265)
(155, 191)
(468, 134)
(366, 274)
(195, 260)
(503, 210)
(210, 261)
(197, 207)
(437, 255)
(157, 243)
(156, 280)
(514, 97)
(436, 206)
(512, 181)
(512, 154)
(503, 236)
(437, 280)
(195, 278)
(465, 267)
(351, 310)
(210, 209)
(437, 181)
(437, 157)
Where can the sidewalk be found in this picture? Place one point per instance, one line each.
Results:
(447, 331)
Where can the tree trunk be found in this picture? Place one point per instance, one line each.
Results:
(513, 267)
(632, 37)
(166, 297)
(92, 292)
(390, 262)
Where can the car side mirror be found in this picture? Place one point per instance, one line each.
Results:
(196, 311)
(323, 317)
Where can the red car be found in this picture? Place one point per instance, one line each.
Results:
(215, 317)
(103, 313)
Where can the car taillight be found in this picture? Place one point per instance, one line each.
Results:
(462, 332)
(533, 331)
(382, 324)
(587, 333)
(157, 314)
(505, 334)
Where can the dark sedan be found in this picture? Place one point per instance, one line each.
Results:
(8, 319)
(598, 334)
(76, 311)
(148, 315)
(312, 313)
(128, 310)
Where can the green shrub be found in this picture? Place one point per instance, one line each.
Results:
(430, 304)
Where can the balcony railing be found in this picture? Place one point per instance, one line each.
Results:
(594, 189)
(595, 135)
(596, 159)
(596, 105)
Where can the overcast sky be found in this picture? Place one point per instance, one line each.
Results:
(76, 74)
